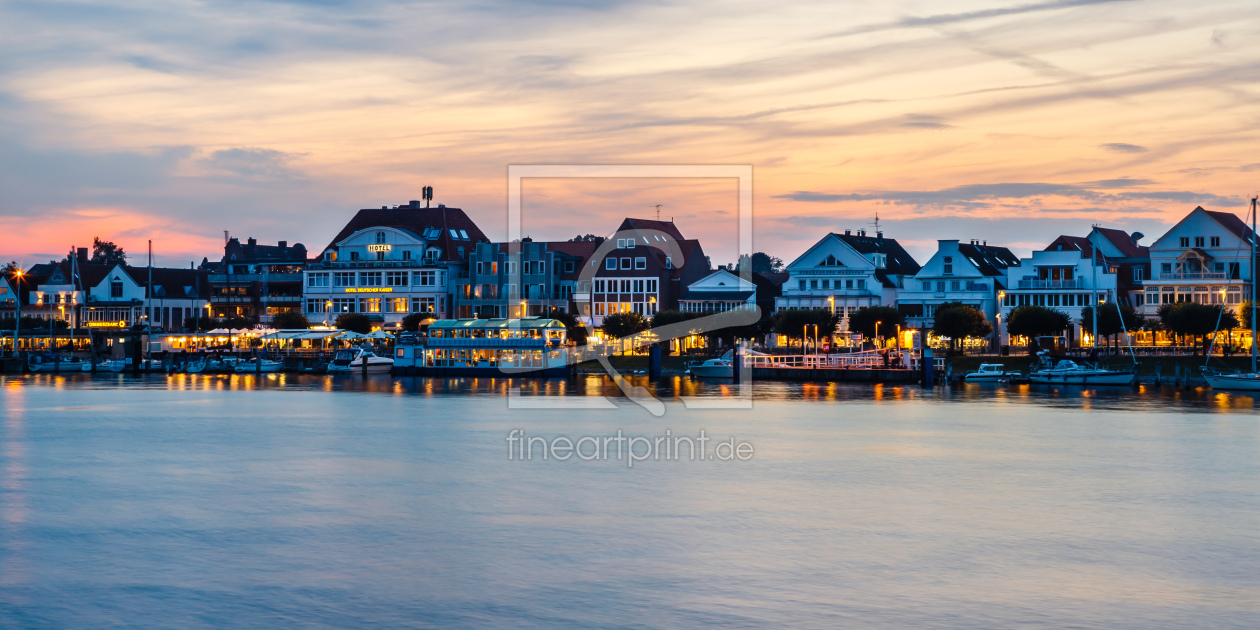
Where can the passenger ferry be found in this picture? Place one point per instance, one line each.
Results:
(529, 346)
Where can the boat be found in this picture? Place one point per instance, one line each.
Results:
(258, 365)
(53, 363)
(101, 366)
(351, 360)
(1239, 380)
(991, 373)
(1053, 370)
(525, 347)
(720, 367)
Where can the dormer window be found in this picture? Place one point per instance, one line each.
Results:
(948, 263)
(830, 262)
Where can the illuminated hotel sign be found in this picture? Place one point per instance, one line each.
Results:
(370, 290)
(119, 324)
(378, 248)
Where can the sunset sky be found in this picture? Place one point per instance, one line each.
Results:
(1011, 122)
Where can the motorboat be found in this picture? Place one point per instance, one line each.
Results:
(258, 365)
(352, 360)
(101, 366)
(1239, 380)
(991, 373)
(53, 363)
(1061, 371)
(721, 367)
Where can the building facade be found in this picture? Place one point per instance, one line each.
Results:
(391, 262)
(1204, 258)
(846, 272)
(255, 281)
(634, 273)
(1066, 280)
(533, 278)
(970, 273)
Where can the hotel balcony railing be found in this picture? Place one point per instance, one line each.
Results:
(1034, 283)
(1192, 275)
(372, 264)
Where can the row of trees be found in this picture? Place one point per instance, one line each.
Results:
(1189, 320)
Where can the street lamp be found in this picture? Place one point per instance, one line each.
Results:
(524, 306)
(877, 323)
(17, 305)
(327, 311)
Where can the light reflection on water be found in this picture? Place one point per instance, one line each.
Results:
(246, 500)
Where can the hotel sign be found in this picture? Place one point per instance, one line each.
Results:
(378, 248)
(370, 290)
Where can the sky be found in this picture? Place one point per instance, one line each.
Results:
(1009, 122)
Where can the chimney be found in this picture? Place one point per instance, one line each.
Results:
(283, 244)
(879, 235)
(986, 242)
(82, 255)
(847, 232)
(252, 241)
(415, 203)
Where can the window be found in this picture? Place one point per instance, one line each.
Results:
(370, 279)
(625, 286)
(826, 284)
(1216, 241)
(940, 286)
(1165, 267)
(954, 285)
(1139, 274)
(396, 305)
(317, 280)
(568, 266)
(115, 288)
(464, 235)
(425, 278)
(316, 306)
(669, 263)
(813, 284)
(800, 285)
(1218, 267)
(354, 255)
(610, 264)
(380, 237)
(396, 279)
(861, 284)
(638, 286)
(370, 305)
(406, 254)
(625, 263)
(454, 234)
(1198, 241)
(848, 284)
(640, 263)
(1234, 271)
(423, 305)
(343, 305)
(1185, 241)
(651, 285)
(949, 265)
(599, 286)
(927, 286)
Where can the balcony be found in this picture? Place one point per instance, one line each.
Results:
(221, 278)
(1034, 283)
(373, 264)
(1192, 275)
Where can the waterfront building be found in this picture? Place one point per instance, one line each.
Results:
(1066, 279)
(255, 281)
(723, 290)
(504, 280)
(638, 277)
(391, 262)
(1204, 258)
(1119, 251)
(970, 273)
(845, 272)
(8, 295)
(115, 296)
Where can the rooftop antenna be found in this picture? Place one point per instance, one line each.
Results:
(876, 223)
(426, 194)
(658, 210)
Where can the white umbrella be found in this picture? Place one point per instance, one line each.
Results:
(379, 334)
(350, 335)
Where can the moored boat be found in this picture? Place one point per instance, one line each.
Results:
(351, 360)
(1061, 371)
(258, 365)
(1239, 380)
(991, 373)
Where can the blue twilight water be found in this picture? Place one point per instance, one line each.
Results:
(204, 501)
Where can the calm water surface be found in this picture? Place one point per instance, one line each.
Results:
(205, 501)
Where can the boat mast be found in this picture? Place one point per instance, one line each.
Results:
(1253, 285)
(148, 307)
(1093, 308)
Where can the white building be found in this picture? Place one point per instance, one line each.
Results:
(970, 273)
(718, 292)
(846, 272)
(116, 296)
(1205, 258)
(391, 262)
(1062, 279)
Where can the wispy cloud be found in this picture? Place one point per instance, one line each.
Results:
(1121, 147)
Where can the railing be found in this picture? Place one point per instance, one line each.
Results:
(371, 264)
(1192, 275)
(856, 360)
(1033, 283)
(486, 342)
(255, 277)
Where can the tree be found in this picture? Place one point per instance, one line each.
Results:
(354, 322)
(201, 323)
(290, 320)
(959, 321)
(1244, 314)
(1036, 321)
(761, 263)
(574, 328)
(411, 323)
(107, 253)
(587, 238)
(665, 318)
(1110, 321)
(620, 325)
(863, 321)
(1196, 320)
(9, 267)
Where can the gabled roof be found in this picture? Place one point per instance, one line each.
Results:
(991, 260)
(1126, 242)
(1229, 221)
(251, 250)
(417, 221)
(1070, 243)
(667, 227)
(90, 274)
(171, 283)
(899, 261)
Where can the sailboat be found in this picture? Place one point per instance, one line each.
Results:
(1239, 380)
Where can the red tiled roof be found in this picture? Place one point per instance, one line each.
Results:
(416, 221)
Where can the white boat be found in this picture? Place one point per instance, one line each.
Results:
(714, 368)
(351, 360)
(101, 366)
(1059, 371)
(53, 363)
(258, 365)
(1239, 380)
(990, 373)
